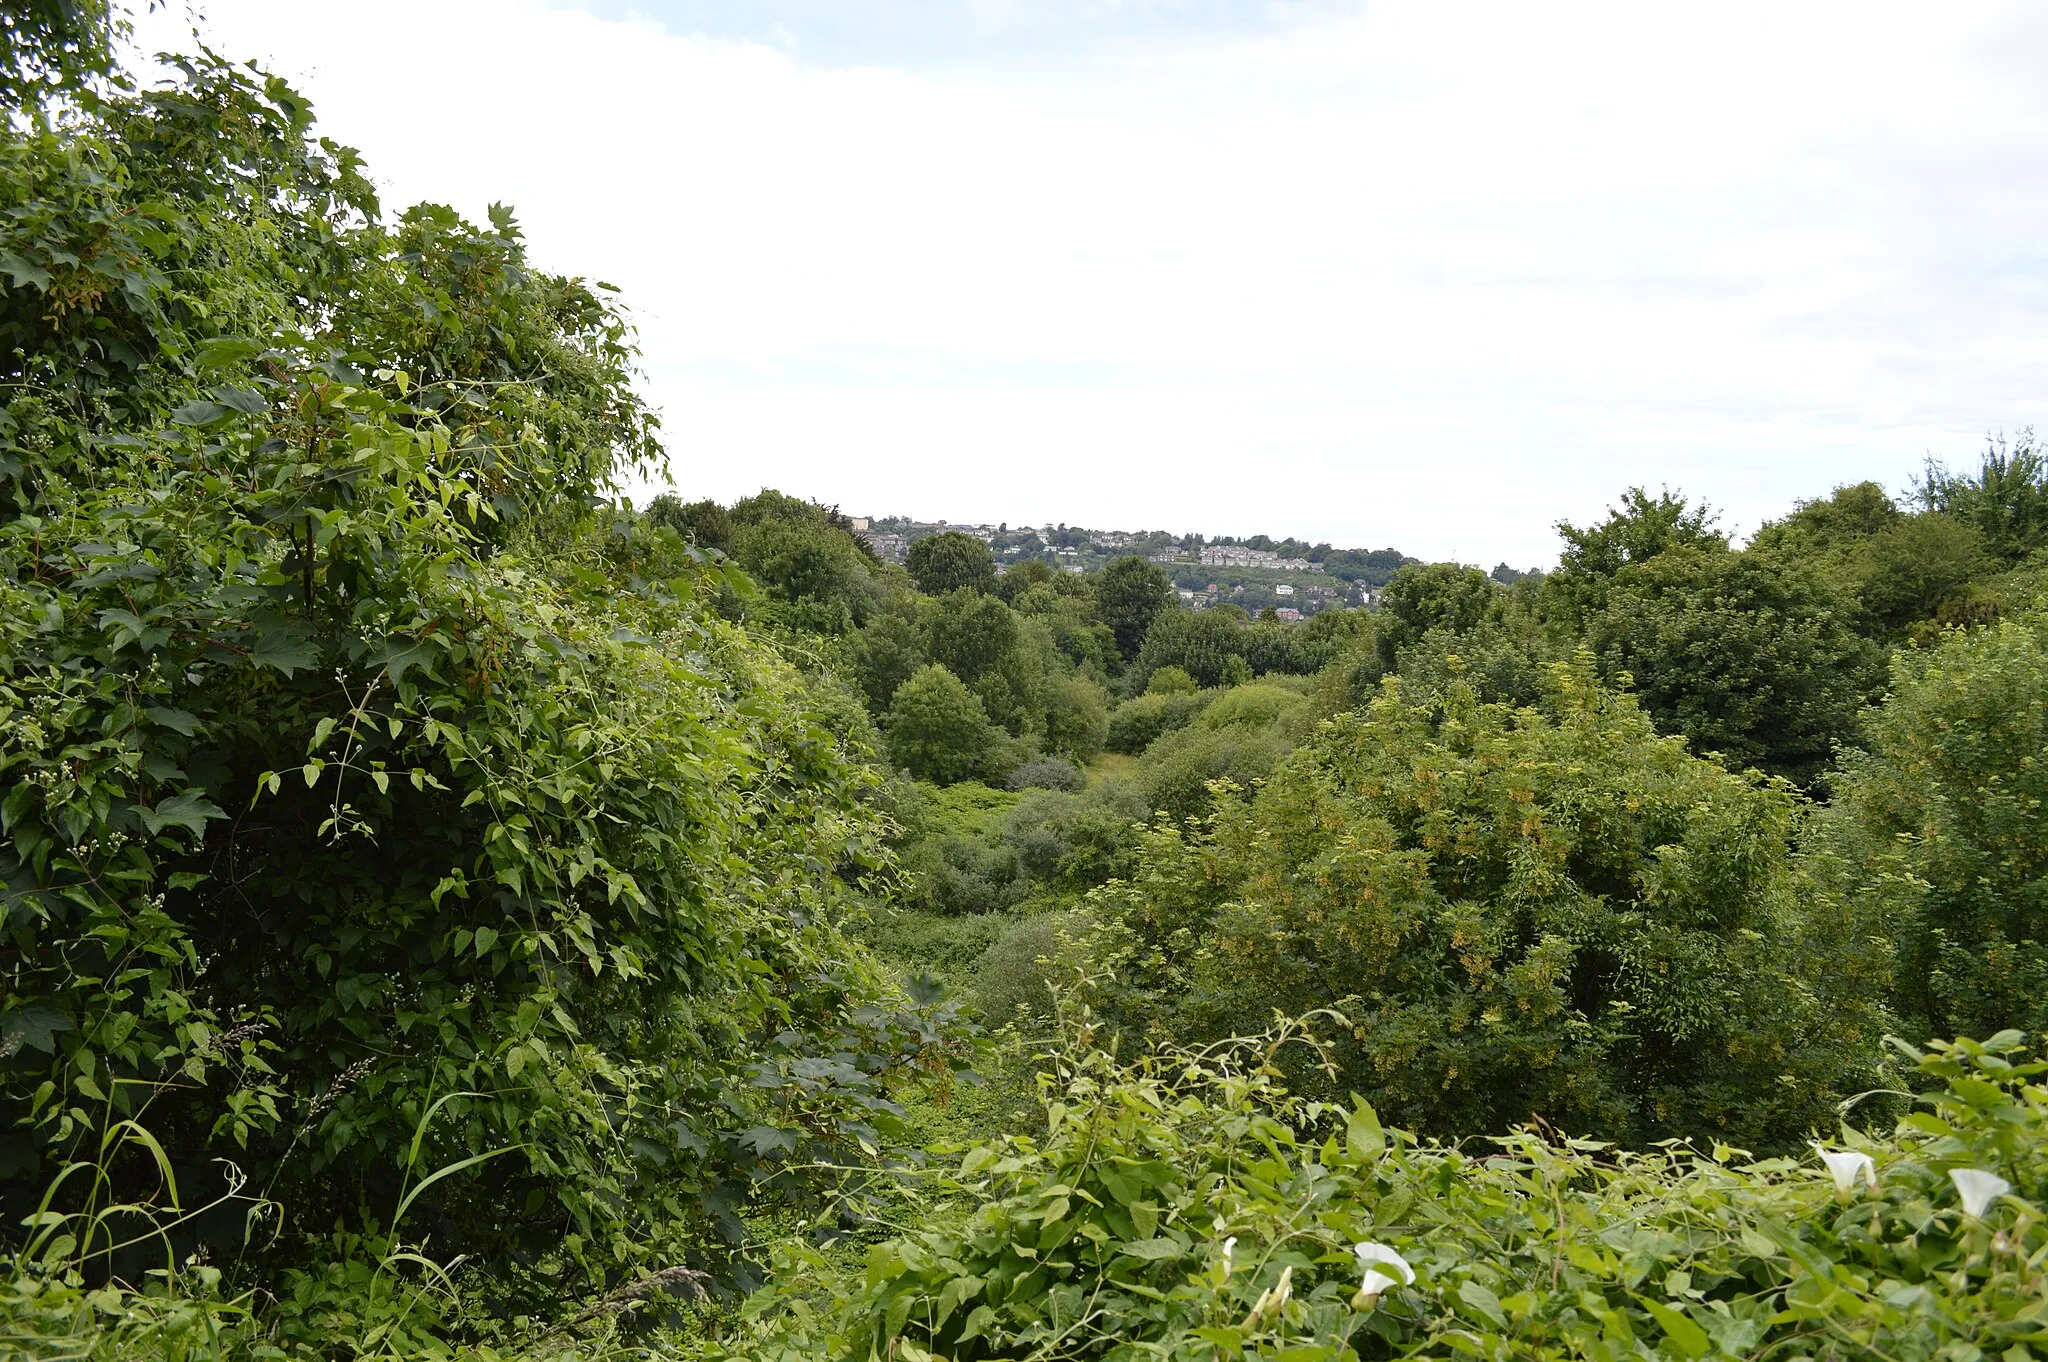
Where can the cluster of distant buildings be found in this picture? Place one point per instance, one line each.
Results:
(1230, 555)
(890, 548)
(1075, 549)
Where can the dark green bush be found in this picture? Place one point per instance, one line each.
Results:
(1942, 828)
(1136, 723)
(1069, 843)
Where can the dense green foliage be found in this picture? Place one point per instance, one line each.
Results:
(52, 45)
(948, 562)
(1944, 819)
(1188, 1206)
(371, 808)
(1744, 654)
(1130, 596)
(1522, 913)
(446, 908)
(2005, 500)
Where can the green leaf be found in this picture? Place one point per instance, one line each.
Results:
(187, 809)
(1363, 1135)
(978, 1320)
(200, 412)
(956, 1292)
(1690, 1338)
(24, 272)
(1483, 1300)
(287, 655)
(1152, 1250)
(241, 399)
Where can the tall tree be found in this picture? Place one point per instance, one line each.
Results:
(2005, 499)
(1635, 531)
(1945, 823)
(947, 562)
(1745, 654)
(938, 730)
(1129, 597)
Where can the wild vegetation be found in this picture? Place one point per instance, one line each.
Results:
(450, 911)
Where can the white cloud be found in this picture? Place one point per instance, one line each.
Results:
(1432, 275)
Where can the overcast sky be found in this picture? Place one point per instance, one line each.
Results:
(1427, 274)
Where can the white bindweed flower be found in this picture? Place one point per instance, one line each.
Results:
(1373, 1257)
(1845, 1166)
(1229, 1249)
(1978, 1189)
(1369, 1254)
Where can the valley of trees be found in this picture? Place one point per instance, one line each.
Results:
(451, 911)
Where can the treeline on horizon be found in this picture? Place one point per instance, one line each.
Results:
(451, 912)
(1768, 655)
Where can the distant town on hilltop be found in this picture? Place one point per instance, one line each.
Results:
(1290, 576)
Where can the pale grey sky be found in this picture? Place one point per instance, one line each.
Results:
(1426, 274)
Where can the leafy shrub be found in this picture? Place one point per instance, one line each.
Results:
(1275, 648)
(2005, 500)
(1743, 654)
(954, 856)
(1257, 705)
(1500, 667)
(1175, 771)
(1020, 968)
(1187, 1206)
(1425, 596)
(951, 561)
(1136, 723)
(1045, 773)
(1076, 716)
(1567, 916)
(1131, 595)
(1171, 681)
(1198, 642)
(984, 643)
(1943, 821)
(938, 730)
(949, 947)
(1069, 843)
